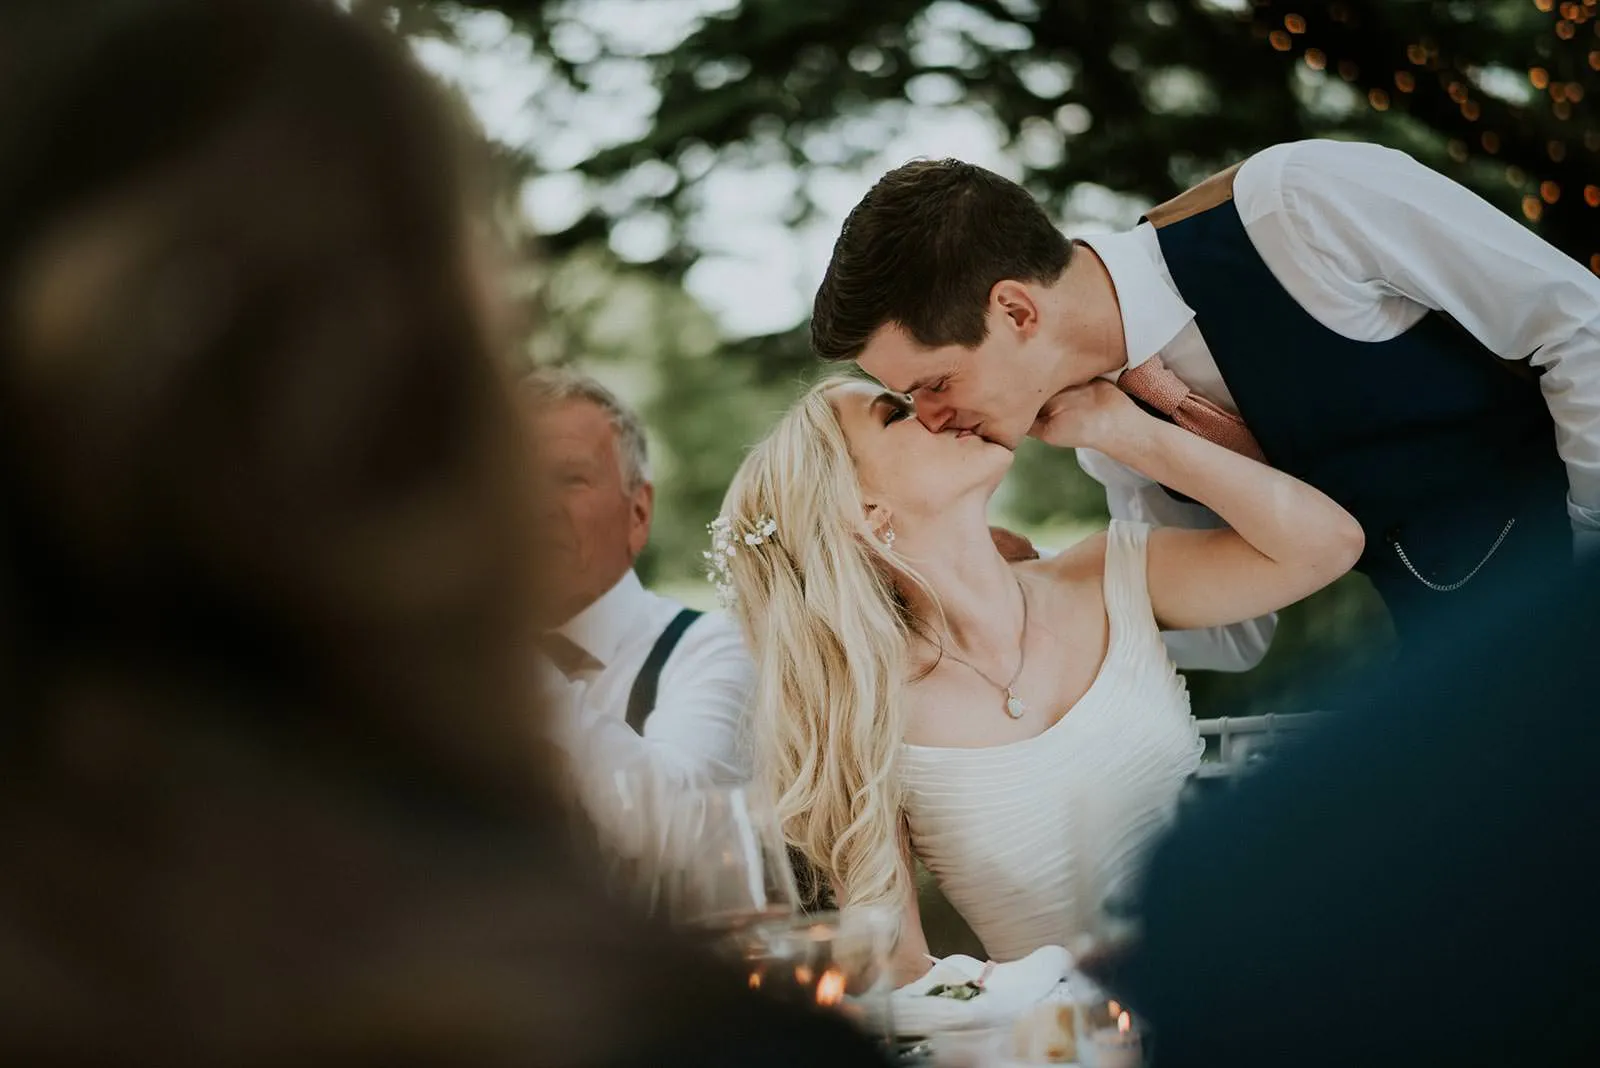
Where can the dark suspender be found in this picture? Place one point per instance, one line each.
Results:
(642, 698)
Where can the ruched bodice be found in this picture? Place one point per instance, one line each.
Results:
(1026, 839)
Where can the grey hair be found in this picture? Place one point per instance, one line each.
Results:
(553, 385)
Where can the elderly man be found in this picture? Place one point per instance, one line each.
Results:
(648, 681)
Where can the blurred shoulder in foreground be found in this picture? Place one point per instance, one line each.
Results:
(1414, 883)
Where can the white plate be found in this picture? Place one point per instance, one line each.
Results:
(1010, 990)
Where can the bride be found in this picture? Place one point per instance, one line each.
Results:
(1018, 728)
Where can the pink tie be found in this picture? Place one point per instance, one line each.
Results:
(1164, 391)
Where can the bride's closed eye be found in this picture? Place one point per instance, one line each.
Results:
(894, 407)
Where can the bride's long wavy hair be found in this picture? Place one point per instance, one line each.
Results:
(820, 605)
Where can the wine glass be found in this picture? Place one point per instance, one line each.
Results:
(837, 960)
(728, 868)
(635, 819)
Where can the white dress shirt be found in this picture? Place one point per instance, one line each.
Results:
(1367, 241)
(696, 734)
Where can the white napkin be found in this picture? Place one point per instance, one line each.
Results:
(1010, 990)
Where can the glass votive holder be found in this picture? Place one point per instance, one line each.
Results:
(837, 960)
(980, 1046)
(1108, 1036)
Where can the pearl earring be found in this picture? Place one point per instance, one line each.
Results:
(888, 538)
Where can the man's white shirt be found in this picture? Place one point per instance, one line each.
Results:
(696, 733)
(1367, 241)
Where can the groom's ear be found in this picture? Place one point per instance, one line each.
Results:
(1014, 303)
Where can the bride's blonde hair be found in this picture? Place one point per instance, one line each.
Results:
(830, 634)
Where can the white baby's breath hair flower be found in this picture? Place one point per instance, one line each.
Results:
(726, 539)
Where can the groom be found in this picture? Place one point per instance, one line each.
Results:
(1333, 308)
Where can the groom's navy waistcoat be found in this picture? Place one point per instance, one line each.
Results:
(1428, 439)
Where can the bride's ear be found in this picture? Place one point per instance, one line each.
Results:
(880, 523)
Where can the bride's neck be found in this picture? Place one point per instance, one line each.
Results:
(974, 586)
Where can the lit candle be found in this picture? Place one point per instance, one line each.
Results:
(830, 988)
(1113, 1047)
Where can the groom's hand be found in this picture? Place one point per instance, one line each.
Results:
(1090, 416)
(1013, 546)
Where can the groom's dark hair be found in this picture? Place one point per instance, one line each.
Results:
(923, 249)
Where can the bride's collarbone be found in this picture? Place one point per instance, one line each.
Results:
(951, 705)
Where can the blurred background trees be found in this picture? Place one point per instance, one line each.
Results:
(682, 167)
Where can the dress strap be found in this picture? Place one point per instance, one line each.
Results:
(1127, 589)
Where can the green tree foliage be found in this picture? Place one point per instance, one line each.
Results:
(1142, 98)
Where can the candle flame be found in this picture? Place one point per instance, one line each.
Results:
(830, 988)
(802, 975)
(755, 980)
(1123, 1023)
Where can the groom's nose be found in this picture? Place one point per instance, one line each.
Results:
(932, 414)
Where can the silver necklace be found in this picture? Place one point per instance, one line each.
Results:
(1014, 706)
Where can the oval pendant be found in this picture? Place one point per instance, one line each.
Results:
(1014, 706)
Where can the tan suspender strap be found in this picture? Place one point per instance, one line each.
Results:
(1208, 194)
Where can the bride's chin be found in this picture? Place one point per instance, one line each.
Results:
(1000, 460)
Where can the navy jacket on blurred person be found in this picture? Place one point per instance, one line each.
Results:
(1414, 885)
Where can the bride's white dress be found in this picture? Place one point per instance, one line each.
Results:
(1026, 839)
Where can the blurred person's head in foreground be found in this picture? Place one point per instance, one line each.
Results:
(255, 437)
(270, 778)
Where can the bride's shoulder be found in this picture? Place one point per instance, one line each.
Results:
(1085, 559)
